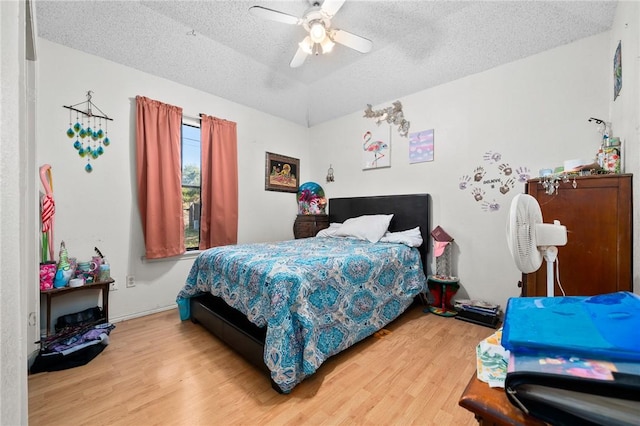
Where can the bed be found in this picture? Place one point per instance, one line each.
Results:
(288, 306)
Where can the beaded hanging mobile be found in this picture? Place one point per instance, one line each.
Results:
(90, 139)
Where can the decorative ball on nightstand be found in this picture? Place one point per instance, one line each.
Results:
(311, 199)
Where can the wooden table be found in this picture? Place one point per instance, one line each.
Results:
(491, 406)
(98, 285)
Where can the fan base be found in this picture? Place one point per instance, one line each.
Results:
(441, 312)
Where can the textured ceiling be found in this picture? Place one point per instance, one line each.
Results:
(236, 56)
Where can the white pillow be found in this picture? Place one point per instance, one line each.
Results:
(367, 227)
(410, 237)
(330, 231)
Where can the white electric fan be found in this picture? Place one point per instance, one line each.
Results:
(530, 240)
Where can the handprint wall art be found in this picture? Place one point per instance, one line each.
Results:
(492, 179)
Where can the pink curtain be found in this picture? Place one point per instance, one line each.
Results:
(158, 135)
(219, 185)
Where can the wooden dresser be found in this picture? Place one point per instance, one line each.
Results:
(598, 215)
(308, 225)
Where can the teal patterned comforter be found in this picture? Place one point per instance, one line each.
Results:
(316, 296)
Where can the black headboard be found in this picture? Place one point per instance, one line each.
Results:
(408, 211)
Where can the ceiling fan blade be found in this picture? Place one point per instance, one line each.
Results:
(273, 15)
(353, 41)
(331, 7)
(298, 58)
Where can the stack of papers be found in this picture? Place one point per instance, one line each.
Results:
(478, 312)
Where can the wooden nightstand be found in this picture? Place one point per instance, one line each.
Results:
(308, 225)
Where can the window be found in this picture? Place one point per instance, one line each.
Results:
(191, 185)
(204, 180)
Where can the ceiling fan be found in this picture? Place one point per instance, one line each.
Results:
(317, 21)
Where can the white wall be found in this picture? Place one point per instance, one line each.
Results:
(533, 112)
(100, 208)
(14, 220)
(625, 110)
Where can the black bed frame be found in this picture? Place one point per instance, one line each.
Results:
(234, 329)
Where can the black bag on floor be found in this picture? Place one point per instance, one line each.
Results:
(88, 316)
(57, 361)
(69, 331)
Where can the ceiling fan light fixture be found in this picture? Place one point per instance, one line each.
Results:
(320, 36)
(306, 45)
(327, 45)
(317, 32)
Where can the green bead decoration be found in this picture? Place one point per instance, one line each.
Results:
(90, 141)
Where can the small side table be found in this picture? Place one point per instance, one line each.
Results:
(98, 285)
(442, 289)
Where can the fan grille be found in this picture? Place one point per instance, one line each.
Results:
(525, 213)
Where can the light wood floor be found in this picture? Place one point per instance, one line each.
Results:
(160, 371)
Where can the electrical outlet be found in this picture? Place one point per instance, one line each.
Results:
(131, 281)
(113, 286)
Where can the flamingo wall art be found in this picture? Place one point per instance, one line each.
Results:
(376, 148)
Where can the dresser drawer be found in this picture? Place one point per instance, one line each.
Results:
(308, 225)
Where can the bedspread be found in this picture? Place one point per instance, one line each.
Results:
(316, 296)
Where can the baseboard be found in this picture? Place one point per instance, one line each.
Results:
(114, 320)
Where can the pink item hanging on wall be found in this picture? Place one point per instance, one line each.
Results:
(47, 212)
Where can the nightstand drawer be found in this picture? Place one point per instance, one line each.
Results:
(308, 225)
